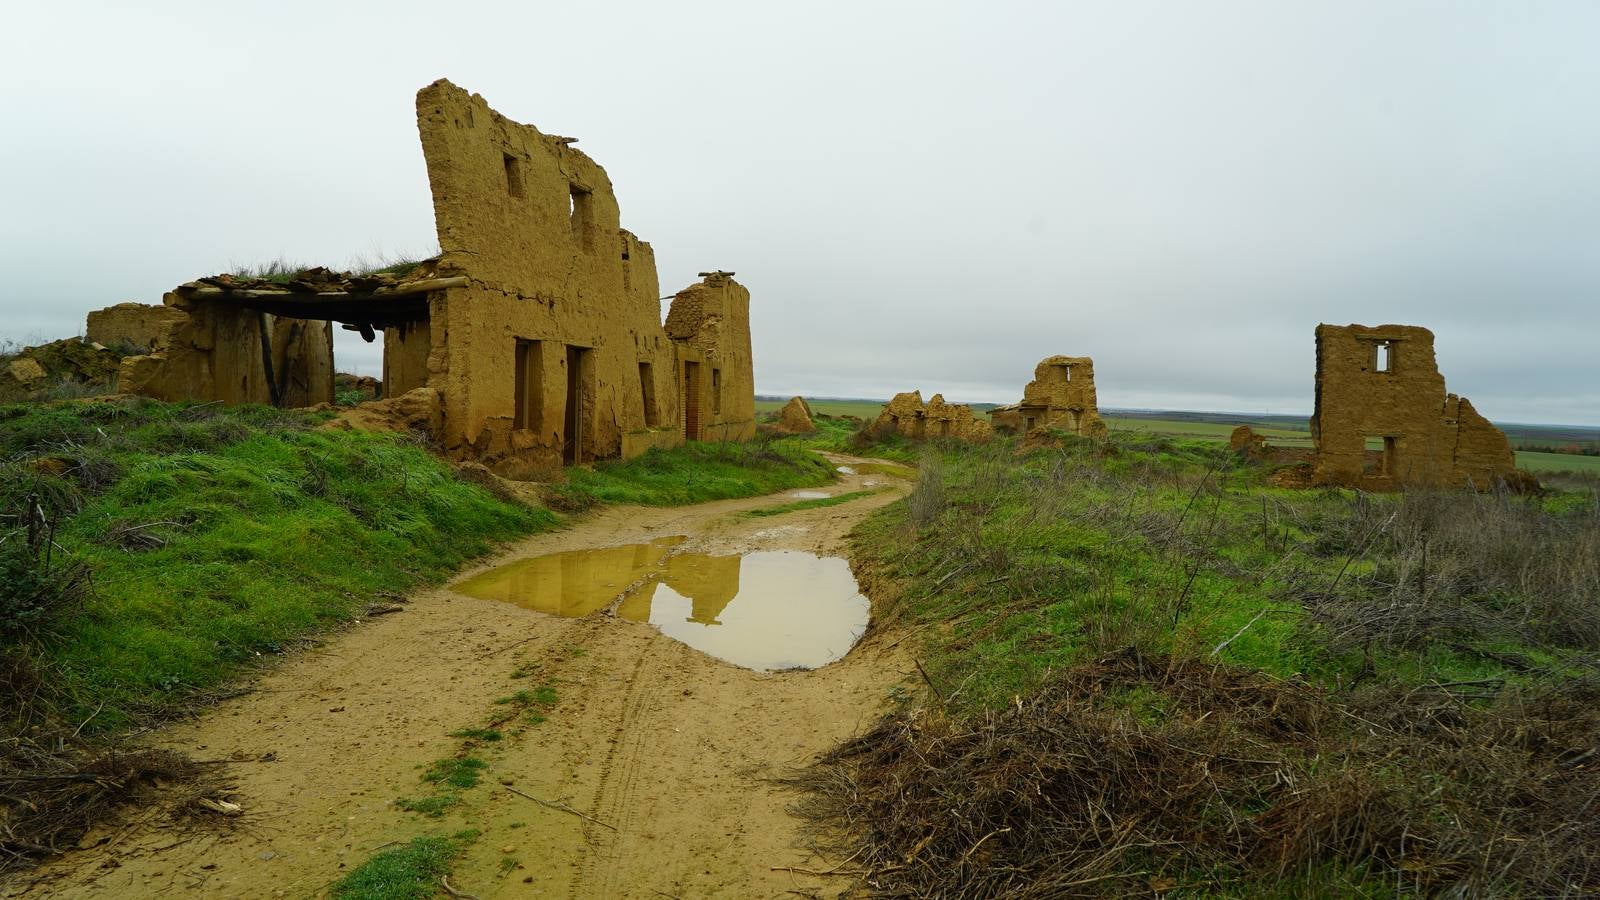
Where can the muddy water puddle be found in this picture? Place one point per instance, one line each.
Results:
(808, 495)
(764, 610)
(889, 469)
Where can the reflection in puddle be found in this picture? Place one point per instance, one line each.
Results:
(846, 470)
(809, 495)
(765, 610)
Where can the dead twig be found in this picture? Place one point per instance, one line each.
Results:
(444, 880)
(561, 806)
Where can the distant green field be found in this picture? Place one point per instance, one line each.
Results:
(1209, 431)
(1534, 461)
(862, 409)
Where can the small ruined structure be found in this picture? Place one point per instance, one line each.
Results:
(1061, 397)
(535, 338)
(796, 417)
(908, 416)
(1245, 442)
(1383, 418)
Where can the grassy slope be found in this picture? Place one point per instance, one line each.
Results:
(1015, 567)
(215, 535)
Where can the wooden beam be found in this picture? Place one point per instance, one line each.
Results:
(286, 296)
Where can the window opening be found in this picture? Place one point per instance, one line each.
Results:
(647, 389)
(513, 175)
(579, 203)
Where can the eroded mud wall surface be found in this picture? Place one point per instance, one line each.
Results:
(709, 325)
(555, 352)
(209, 351)
(128, 326)
(1062, 396)
(908, 416)
(1383, 417)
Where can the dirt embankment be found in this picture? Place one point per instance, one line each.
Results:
(668, 748)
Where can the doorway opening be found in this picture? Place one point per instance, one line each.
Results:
(572, 445)
(691, 401)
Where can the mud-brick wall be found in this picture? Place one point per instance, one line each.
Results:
(406, 348)
(1357, 401)
(213, 353)
(1483, 455)
(905, 414)
(954, 420)
(709, 324)
(534, 224)
(1063, 386)
(132, 325)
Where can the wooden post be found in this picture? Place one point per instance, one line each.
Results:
(266, 359)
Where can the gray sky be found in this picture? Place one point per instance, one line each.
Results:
(919, 195)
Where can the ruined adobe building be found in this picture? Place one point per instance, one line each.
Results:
(908, 416)
(536, 334)
(1060, 397)
(1381, 385)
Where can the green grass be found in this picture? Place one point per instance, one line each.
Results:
(694, 473)
(1206, 431)
(1016, 569)
(408, 872)
(216, 536)
(462, 773)
(813, 503)
(1535, 461)
(433, 807)
(1041, 561)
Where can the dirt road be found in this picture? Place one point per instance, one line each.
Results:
(668, 748)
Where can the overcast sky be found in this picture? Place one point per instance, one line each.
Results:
(918, 195)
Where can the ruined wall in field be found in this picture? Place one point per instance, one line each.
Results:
(554, 351)
(709, 324)
(132, 326)
(208, 351)
(538, 357)
(1061, 397)
(1383, 418)
(907, 416)
(796, 418)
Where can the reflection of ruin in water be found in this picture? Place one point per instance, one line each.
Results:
(763, 610)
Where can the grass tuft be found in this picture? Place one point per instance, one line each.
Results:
(408, 872)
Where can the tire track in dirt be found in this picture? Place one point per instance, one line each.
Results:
(613, 802)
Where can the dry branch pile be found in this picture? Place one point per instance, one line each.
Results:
(1220, 777)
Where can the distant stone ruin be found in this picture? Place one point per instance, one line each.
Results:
(536, 335)
(1061, 397)
(796, 417)
(1383, 418)
(907, 416)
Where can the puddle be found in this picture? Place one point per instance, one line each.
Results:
(846, 470)
(771, 609)
(889, 469)
(809, 495)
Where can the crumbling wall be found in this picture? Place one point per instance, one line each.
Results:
(795, 417)
(1383, 419)
(709, 324)
(132, 326)
(1061, 397)
(909, 417)
(554, 351)
(210, 351)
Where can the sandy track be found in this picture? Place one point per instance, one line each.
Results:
(668, 747)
